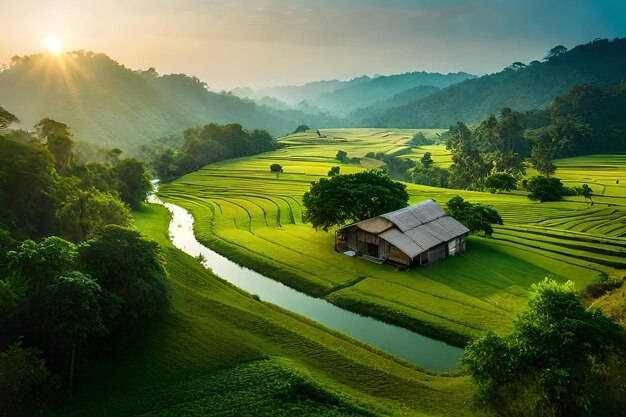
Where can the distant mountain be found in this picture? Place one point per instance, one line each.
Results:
(294, 94)
(521, 87)
(375, 90)
(342, 97)
(106, 103)
(360, 117)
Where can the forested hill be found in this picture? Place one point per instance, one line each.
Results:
(109, 104)
(342, 97)
(519, 86)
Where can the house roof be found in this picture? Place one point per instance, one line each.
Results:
(415, 229)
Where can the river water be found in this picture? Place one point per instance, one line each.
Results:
(421, 350)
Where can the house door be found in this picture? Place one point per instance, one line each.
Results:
(372, 250)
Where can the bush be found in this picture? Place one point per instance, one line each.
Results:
(419, 139)
(432, 176)
(601, 286)
(500, 181)
(546, 189)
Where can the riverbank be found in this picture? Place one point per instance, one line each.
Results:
(220, 351)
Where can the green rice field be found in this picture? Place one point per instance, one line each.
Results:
(254, 217)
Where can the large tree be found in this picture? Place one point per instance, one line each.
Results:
(477, 217)
(552, 363)
(85, 212)
(72, 312)
(129, 266)
(352, 197)
(469, 168)
(133, 181)
(58, 139)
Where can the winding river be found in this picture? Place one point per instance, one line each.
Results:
(421, 350)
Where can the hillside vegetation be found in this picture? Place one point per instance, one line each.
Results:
(112, 106)
(521, 87)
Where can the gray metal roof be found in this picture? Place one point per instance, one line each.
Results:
(413, 216)
(421, 227)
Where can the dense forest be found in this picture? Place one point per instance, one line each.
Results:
(74, 273)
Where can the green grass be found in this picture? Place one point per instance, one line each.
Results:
(255, 218)
(218, 351)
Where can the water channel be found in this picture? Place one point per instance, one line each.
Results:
(421, 350)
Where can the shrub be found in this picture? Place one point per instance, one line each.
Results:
(546, 189)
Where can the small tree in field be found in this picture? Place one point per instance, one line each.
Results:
(342, 156)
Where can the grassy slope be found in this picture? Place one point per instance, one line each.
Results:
(252, 216)
(218, 351)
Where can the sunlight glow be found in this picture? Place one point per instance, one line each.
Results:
(53, 44)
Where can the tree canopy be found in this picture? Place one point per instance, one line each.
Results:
(477, 217)
(553, 363)
(352, 197)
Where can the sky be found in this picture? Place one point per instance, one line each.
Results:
(256, 43)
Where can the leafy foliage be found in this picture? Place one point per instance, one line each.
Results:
(129, 266)
(88, 211)
(352, 197)
(477, 217)
(546, 189)
(133, 181)
(24, 381)
(551, 363)
(469, 168)
(500, 181)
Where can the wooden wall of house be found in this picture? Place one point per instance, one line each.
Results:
(397, 256)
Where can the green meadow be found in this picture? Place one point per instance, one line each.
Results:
(254, 217)
(220, 351)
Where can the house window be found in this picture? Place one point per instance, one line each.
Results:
(372, 250)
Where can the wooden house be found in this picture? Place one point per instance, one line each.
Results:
(415, 235)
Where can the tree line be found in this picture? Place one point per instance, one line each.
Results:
(494, 154)
(208, 144)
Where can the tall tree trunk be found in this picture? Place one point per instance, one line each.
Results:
(72, 364)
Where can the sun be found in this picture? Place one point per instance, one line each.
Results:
(53, 44)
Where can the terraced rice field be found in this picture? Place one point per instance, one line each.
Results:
(254, 217)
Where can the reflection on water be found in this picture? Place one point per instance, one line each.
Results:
(421, 350)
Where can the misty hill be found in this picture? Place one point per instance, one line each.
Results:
(521, 87)
(294, 94)
(375, 90)
(342, 97)
(106, 103)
